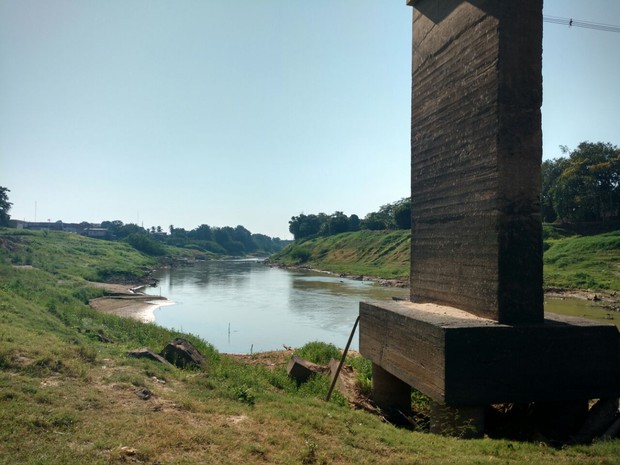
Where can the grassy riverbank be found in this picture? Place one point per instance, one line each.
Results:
(570, 261)
(67, 396)
(369, 253)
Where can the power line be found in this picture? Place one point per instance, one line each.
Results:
(585, 24)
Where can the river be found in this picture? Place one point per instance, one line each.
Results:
(244, 306)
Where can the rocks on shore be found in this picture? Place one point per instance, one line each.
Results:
(179, 352)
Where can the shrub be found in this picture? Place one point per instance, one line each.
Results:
(300, 254)
(319, 352)
(145, 244)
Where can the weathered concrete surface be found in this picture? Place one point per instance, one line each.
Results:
(476, 155)
(475, 332)
(464, 360)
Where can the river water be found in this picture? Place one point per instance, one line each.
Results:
(244, 306)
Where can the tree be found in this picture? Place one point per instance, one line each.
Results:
(5, 206)
(551, 171)
(222, 235)
(587, 189)
(354, 223)
(402, 213)
(376, 221)
(202, 233)
(242, 235)
(337, 223)
(304, 226)
(140, 241)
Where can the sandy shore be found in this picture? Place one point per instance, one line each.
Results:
(127, 302)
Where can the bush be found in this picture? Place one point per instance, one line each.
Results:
(145, 244)
(319, 352)
(300, 254)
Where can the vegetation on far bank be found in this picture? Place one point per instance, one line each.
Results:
(395, 215)
(584, 186)
(382, 254)
(204, 239)
(582, 262)
(570, 260)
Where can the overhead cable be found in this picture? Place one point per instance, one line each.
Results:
(578, 23)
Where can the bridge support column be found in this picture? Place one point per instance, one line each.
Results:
(391, 394)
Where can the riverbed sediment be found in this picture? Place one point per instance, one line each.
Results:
(121, 300)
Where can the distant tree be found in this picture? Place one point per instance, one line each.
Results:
(337, 223)
(304, 226)
(178, 237)
(402, 213)
(202, 233)
(263, 243)
(376, 221)
(222, 235)
(354, 223)
(5, 206)
(144, 244)
(588, 188)
(242, 235)
(118, 230)
(551, 171)
(268, 244)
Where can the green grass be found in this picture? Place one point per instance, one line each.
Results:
(319, 352)
(369, 253)
(66, 397)
(570, 261)
(583, 262)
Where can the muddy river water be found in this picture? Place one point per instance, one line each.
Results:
(244, 306)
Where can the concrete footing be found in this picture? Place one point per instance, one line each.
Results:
(390, 393)
(464, 363)
(464, 422)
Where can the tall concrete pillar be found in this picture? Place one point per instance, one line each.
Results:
(475, 332)
(476, 156)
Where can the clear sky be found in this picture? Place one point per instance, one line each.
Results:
(243, 112)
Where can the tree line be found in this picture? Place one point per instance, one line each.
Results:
(584, 186)
(396, 215)
(225, 240)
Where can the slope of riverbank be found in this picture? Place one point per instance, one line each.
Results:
(70, 393)
(586, 265)
(380, 254)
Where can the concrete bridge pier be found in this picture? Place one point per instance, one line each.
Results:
(475, 332)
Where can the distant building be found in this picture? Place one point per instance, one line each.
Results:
(99, 233)
(84, 228)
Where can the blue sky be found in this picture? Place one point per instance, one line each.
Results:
(242, 112)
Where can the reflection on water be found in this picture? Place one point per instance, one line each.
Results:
(583, 309)
(241, 306)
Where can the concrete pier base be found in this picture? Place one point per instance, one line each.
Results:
(391, 395)
(464, 363)
(464, 422)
